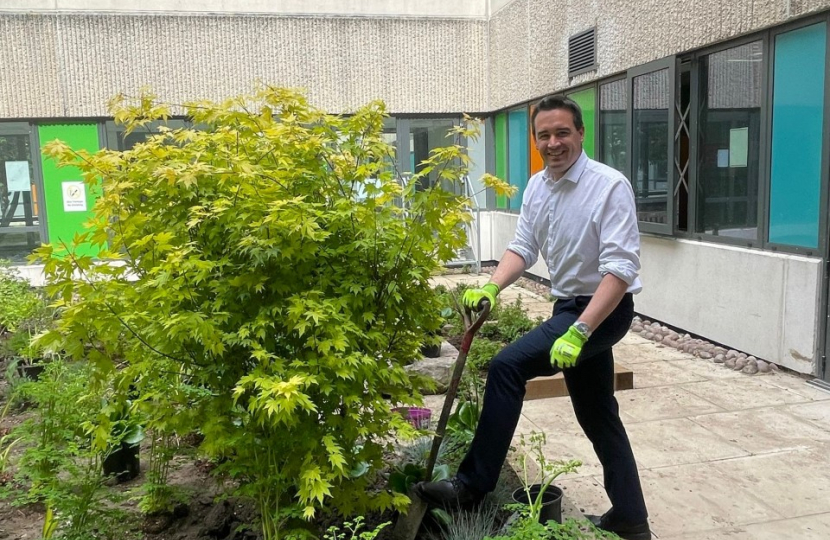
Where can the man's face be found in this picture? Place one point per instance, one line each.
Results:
(557, 140)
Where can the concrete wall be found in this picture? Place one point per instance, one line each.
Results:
(384, 8)
(765, 304)
(529, 38)
(63, 65)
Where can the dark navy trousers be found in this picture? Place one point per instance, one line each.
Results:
(591, 387)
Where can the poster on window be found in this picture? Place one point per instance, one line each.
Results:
(74, 197)
(17, 176)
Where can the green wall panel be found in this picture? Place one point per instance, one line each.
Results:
(64, 218)
(587, 101)
(501, 154)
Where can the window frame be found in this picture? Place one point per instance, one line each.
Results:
(669, 63)
(598, 120)
(763, 141)
(35, 154)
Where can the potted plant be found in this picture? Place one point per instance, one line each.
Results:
(126, 433)
(432, 345)
(543, 499)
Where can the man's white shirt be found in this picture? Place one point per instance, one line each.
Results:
(585, 226)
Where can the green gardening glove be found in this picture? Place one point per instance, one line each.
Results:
(566, 349)
(472, 297)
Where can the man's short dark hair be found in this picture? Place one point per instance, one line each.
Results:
(557, 101)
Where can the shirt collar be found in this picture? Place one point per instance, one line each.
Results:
(574, 173)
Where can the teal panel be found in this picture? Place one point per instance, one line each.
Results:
(797, 119)
(518, 155)
(501, 154)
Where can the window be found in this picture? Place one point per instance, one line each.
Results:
(797, 126)
(729, 129)
(20, 194)
(651, 151)
(612, 125)
(117, 139)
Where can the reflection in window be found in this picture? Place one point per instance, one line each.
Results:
(117, 139)
(730, 132)
(426, 135)
(19, 215)
(650, 145)
(612, 136)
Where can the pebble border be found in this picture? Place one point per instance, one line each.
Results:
(730, 358)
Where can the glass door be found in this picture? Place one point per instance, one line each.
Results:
(22, 223)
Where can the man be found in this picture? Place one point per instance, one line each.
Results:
(580, 215)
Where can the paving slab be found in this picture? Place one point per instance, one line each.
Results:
(707, 368)
(586, 493)
(742, 393)
(794, 483)
(679, 441)
(661, 403)
(768, 430)
(804, 528)
(694, 498)
(816, 413)
(663, 373)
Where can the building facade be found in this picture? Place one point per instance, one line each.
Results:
(717, 112)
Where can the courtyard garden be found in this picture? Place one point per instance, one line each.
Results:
(222, 354)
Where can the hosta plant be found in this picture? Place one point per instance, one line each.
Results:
(272, 258)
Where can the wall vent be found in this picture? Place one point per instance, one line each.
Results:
(582, 52)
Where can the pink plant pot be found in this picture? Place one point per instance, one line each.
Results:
(419, 417)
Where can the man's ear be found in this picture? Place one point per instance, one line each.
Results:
(582, 134)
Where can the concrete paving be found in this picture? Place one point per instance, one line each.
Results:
(721, 454)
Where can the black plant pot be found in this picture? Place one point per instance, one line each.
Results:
(123, 462)
(431, 351)
(551, 502)
(30, 371)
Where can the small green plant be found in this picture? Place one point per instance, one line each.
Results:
(511, 322)
(482, 352)
(20, 301)
(7, 442)
(351, 531)
(525, 527)
(470, 525)
(403, 477)
(546, 471)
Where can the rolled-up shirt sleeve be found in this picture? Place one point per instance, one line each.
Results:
(619, 236)
(524, 243)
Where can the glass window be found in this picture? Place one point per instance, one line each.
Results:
(518, 153)
(426, 134)
(650, 145)
(118, 140)
(19, 208)
(612, 134)
(797, 119)
(586, 99)
(730, 133)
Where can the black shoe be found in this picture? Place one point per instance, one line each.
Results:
(448, 494)
(626, 531)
